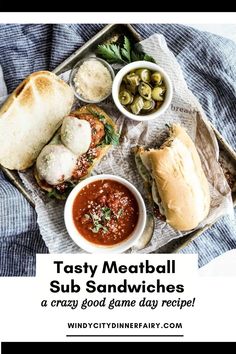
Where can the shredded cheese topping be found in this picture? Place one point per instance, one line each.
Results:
(93, 80)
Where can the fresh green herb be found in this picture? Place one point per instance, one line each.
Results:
(111, 52)
(115, 53)
(97, 227)
(89, 158)
(126, 50)
(52, 193)
(101, 117)
(106, 213)
(120, 212)
(147, 57)
(71, 184)
(105, 229)
(94, 217)
(55, 194)
(111, 137)
(136, 56)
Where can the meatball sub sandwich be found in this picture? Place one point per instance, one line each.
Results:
(83, 139)
(176, 181)
(36, 126)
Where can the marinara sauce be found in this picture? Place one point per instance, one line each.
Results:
(105, 212)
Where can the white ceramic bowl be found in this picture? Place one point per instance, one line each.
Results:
(95, 248)
(136, 65)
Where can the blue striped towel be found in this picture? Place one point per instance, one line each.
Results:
(209, 66)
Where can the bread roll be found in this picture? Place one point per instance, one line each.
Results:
(181, 183)
(30, 117)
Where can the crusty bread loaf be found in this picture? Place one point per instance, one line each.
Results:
(30, 117)
(180, 180)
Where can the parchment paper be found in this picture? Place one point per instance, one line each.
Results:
(184, 109)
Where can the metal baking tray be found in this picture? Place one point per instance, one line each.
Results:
(108, 33)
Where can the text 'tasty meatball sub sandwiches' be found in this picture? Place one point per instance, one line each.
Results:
(83, 139)
(176, 180)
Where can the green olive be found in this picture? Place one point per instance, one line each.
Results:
(145, 91)
(144, 75)
(156, 78)
(157, 93)
(125, 97)
(148, 105)
(137, 105)
(133, 79)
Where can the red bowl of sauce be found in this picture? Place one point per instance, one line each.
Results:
(105, 213)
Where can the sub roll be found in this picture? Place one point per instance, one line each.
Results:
(30, 117)
(176, 181)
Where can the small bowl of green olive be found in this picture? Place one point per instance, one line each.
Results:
(142, 90)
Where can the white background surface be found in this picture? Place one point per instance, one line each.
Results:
(212, 318)
(223, 265)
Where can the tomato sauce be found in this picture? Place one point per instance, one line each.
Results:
(105, 212)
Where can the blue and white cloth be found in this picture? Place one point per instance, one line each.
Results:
(209, 66)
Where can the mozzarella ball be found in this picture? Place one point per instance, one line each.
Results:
(76, 135)
(55, 164)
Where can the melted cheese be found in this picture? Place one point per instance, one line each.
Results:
(55, 164)
(76, 135)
